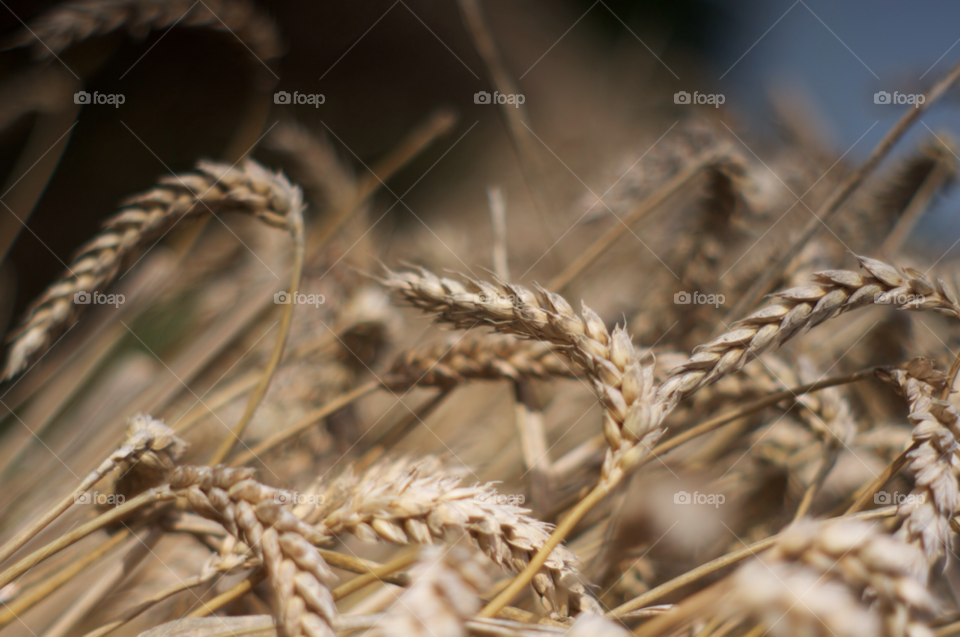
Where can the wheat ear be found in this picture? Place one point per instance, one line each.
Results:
(214, 188)
(71, 22)
(800, 309)
(812, 580)
(252, 512)
(932, 461)
(486, 356)
(407, 504)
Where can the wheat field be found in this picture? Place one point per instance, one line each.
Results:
(542, 367)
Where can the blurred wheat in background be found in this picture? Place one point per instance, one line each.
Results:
(444, 320)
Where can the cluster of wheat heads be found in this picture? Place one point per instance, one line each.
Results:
(295, 469)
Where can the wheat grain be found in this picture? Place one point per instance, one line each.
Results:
(214, 188)
(72, 22)
(933, 460)
(251, 512)
(408, 503)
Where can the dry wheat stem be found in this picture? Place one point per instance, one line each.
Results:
(224, 598)
(213, 189)
(30, 598)
(148, 441)
(863, 497)
(932, 461)
(71, 22)
(339, 560)
(839, 196)
(149, 602)
(106, 519)
(375, 575)
(133, 555)
(407, 504)
(681, 614)
(295, 221)
(252, 512)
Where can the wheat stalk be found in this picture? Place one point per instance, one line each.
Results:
(932, 461)
(72, 22)
(420, 503)
(214, 188)
(252, 512)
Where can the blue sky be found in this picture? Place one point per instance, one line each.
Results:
(841, 52)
